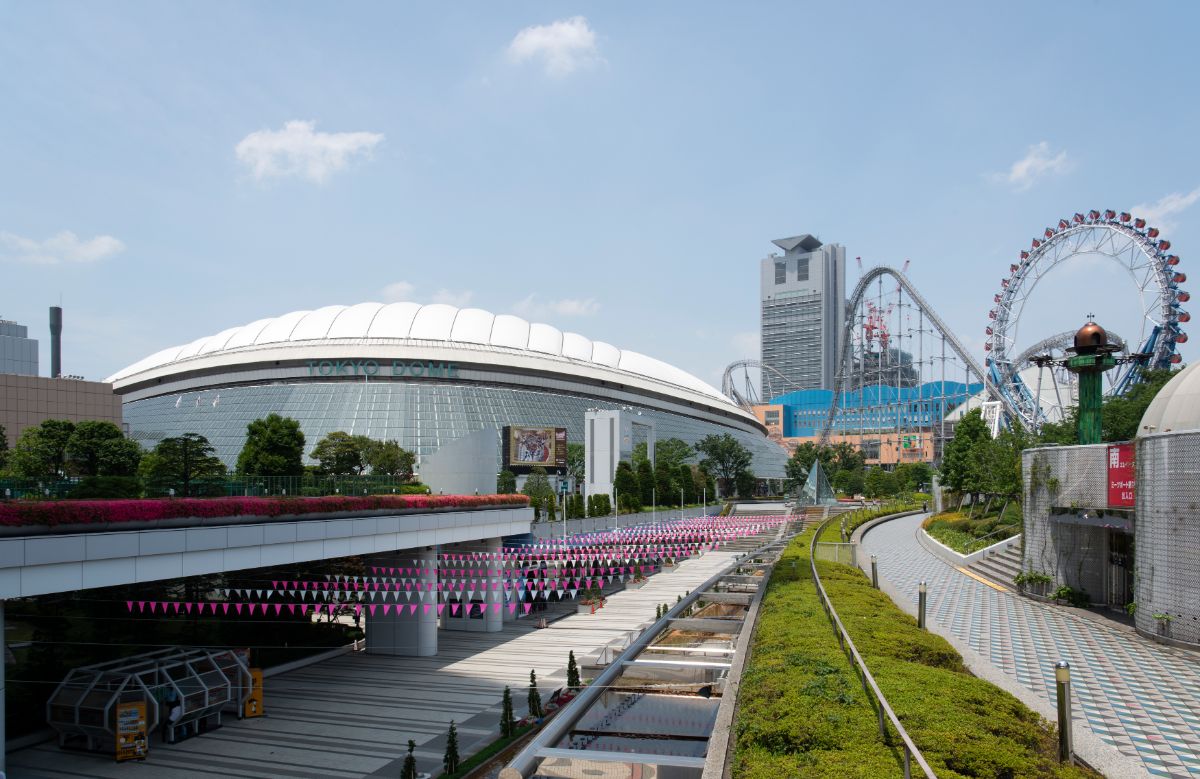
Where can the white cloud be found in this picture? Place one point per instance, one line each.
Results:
(1036, 163)
(532, 308)
(64, 247)
(398, 291)
(298, 150)
(562, 47)
(451, 297)
(1159, 214)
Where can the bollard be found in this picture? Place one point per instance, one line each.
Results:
(921, 596)
(1062, 675)
(875, 572)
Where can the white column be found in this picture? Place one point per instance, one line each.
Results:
(406, 631)
(489, 588)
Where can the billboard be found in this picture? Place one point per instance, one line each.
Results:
(526, 448)
(1121, 480)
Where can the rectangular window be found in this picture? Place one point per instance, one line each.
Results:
(780, 272)
(802, 269)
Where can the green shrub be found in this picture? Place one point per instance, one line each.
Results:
(107, 488)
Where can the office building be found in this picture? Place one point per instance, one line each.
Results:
(18, 352)
(803, 308)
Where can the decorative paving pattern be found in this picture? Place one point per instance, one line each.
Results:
(1141, 697)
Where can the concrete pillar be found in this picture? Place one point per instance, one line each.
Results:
(489, 590)
(404, 631)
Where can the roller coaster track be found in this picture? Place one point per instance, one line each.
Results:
(856, 300)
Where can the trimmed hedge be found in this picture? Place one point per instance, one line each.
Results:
(86, 512)
(802, 712)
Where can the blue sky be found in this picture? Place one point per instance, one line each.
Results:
(616, 169)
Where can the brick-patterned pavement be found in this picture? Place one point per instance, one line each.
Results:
(1139, 696)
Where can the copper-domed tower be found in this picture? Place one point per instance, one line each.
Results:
(1091, 356)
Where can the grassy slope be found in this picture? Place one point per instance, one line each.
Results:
(802, 711)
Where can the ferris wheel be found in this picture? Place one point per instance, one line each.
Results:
(1127, 241)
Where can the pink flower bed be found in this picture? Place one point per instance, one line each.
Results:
(90, 512)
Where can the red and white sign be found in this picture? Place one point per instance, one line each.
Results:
(1121, 479)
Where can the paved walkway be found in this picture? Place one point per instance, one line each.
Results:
(1141, 697)
(352, 716)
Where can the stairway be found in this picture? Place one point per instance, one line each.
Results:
(1002, 566)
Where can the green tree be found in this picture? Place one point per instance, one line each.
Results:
(341, 454)
(801, 462)
(41, 451)
(182, 462)
(274, 447)
(686, 480)
(450, 759)
(673, 451)
(645, 482)
(575, 462)
(746, 484)
(409, 769)
(879, 483)
(120, 457)
(724, 457)
(506, 482)
(626, 484)
(540, 492)
(911, 477)
(508, 721)
(3, 448)
(1122, 415)
(99, 448)
(535, 697)
(960, 461)
(388, 458)
(664, 485)
(572, 671)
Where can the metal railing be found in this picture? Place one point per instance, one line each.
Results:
(882, 710)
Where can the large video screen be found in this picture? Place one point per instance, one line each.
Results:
(529, 447)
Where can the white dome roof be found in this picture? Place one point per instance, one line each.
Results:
(390, 322)
(1176, 406)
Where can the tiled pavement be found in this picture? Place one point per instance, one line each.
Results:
(352, 716)
(1139, 696)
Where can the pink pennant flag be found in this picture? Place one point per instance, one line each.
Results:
(303, 609)
(495, 608)
(512, 608)
(291, 608)
(387, 607)
(357, 609)
(425, 607)
(176, 605)
(453, 609)
(141, 606)
(412, 608)
(528, 606)
(278, 608)
(441, 607)
(129, 605)
(238, 608)
(251, 607)
(188, 607)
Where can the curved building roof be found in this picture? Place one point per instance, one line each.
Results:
(1176, 406)
(388, 324)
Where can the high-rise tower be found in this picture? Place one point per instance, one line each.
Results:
(803, 308)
